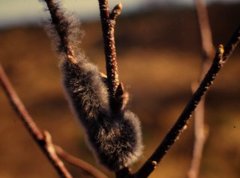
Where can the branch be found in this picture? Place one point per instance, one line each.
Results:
(43, 139)
(108, 20)
(205, 30)
(222, 54)
(118, 96)
(200, 133)
(84, 166)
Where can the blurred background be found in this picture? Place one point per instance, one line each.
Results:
(159, 53)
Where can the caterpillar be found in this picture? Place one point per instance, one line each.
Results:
(114, 137)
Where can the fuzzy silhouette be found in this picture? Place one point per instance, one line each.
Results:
(114, 134)
(114, 137)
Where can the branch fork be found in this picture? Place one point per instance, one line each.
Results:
(108, 20)
(222, 54)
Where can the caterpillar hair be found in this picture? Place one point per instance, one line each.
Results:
(64, 28)
(115, 137)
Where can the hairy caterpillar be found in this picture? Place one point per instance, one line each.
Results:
(115, 137)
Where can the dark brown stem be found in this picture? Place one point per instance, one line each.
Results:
(42, 139)
(181, 123)
(200, 133)
(108, 20)
(86, 168)
(124, 173)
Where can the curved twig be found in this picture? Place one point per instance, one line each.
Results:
(221, 56)
(43, 139)
(84, 166)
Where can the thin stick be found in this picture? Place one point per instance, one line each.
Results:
(86, 168)
(205, 30)
(42, 139)
(108, 20)
(221, 56)
(118, 96)
(200, 133)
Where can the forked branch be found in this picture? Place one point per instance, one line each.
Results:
(108, 20)
(222, 54)
(43, 139)
(118, 96)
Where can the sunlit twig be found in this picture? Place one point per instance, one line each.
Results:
(108, 21)
(86, 168)
(43, 139)
(200, 133)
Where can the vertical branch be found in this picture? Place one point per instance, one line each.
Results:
(200, 133)
(42, 139)
(200, 136)
(205, 30)
(118, 96)
(108, 20)
(222, 54)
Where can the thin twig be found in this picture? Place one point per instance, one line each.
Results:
(200, 132)
(108, 20)
(200, 135)
(220, 58)
(43, 139)
(205, 30)
(118, 96)
(86, 168)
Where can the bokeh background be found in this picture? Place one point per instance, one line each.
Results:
(159, 54)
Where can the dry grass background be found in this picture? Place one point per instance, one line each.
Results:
(159, 58)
